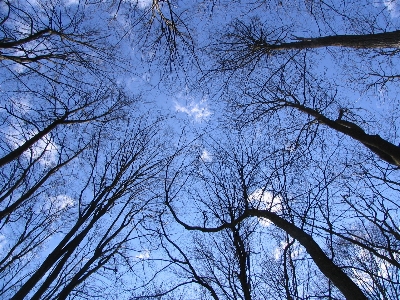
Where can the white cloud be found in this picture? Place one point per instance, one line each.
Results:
(56, 205)
(17, 135)
(143, 255)
(199, 111)
(19, 68)
(359, 276)
(44, 146)
(265, 200)
(384, 269)
(144, 3)
(71, 2)
(61, 202)
(206, 156)
(362, 277)
(295, 252)
(393, 6)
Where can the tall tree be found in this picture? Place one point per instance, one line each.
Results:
(225, 199)
(76, 152)
(101, 219)
(289, 192)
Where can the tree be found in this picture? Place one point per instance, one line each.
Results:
(288, 191)
(245, 44)
(41, 37)
(334, 192)
(230, 198)
(76, 161)
(99, 224)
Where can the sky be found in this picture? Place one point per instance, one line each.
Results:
(192, 103)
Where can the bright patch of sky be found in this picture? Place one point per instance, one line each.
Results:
(206, 156)
(61, 202)
(22, 105)
(384, 269)
(360, 277)
(143, 255)
(295, 253)
(265, 200)
(146, 77)
(19, 68)
(3, 241)
(45, 147)
(290, 147)
(17, 135)
(144, 3)
(199, 111)
(71, 2)
(393, 6)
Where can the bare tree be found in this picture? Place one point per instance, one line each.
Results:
(102, 220)
(242, 185)
(34, 144)
(294, 198)
(270, 100)
(246, 43)
(50, 35)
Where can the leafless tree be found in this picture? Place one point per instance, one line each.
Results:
(101, 220)
(242, 185)
(295, 198)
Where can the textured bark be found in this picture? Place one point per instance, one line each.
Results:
(364, 41)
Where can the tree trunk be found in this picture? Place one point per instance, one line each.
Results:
(29, 143)
(387, 151)
(363, 41)
(339, 278)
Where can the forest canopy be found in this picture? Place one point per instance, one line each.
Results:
(211, 149)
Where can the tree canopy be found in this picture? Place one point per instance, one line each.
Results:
(211, 149)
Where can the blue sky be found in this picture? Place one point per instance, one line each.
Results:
(193, 102)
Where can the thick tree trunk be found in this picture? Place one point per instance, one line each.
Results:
(387, 151)
(59, 256)
(364, 41)
(243, 260)
(29, 143)
(339, 278)
(334, 273)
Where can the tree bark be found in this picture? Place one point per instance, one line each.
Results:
(60, 254)
(362, 41)
(29, 143)
(339, 278)
(30, 38)
(243, 260)
(387, 151)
